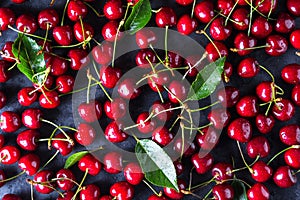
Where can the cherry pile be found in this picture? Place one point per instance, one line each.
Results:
(257, 111)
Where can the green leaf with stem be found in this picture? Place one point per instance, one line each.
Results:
(74, 158)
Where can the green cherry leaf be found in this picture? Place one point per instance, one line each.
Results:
(74, 158)
(239, 190)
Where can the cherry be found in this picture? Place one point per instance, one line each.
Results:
(9, 154)
(283, 110)
(2, 140)
(277, 45)
(179, 167)
(228, 96)
(264, 91)
(114, 134)
(293, 7)
(7, 53)
(189, 148)
(64, 147)
(294, 39)
(225, 6)
(68, 195)
(165, 17)
(208, 139)
(76, 9)
(258, 191)
(158, 107)
(223, 191)
(30, 163)
(48, 19)
(26, 23)
(184, 2)
(261, 28)
(109, 31)
(127, 89)
(83, 31)
(110, 76)
(291, 73)
(202, 164)
(213, 49)
(133, 173)
(122, 190)
(266, 6)
(65, 83)
(42, 182)
(240, 129)
(284, 23)
(264, 123)
(218, 29)
(7, 18)
(27, 96)
(292, 158)
(58, 66)
(204, 11)
(113, 162)
(27, 139)
(64, 177)
(145, 37)
(143, 125)
(3, 99)
(247, 106)
(10, 121)
(90, 163)
(63, 35)
(261, 171)
(90, 112)
(31, 118)
(222, 171)
(243, 41)
(103, 54)
(174, 59)
(155, 197)
(290, 134)
(178, 92)
(219, 117)
(284, 177)
(91, 192)
(106, 197)
(85, 134)
(296, 95)
(145, 57)
(11, 196)
(115, 109)
(2, 177)
(173, 194)
(241, 18)
(4, 73)
(162, 136)
(186, 25)
(47, 85)
(113, 9)
(49, 100)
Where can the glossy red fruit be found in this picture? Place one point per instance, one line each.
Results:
(127, 89)
(30, 163)
(223, 191)
(247, 106)
(173, 194)
(2, 140)
(133, 173)
(264, 91)
(83, 32)
(213, 50)
(85, 134)
(266, 6)
(258, 146)
(145, 37)
(106, 197)
(204, 11)
(277, 45)
(145, 57)
(184, 2)
(90, 112)
(27, 96)
(186, 25)
(47, 85)
(261, 28)
(10, 121)
(7, 18)
(31, 118)
(114, 134)
(66, 179)
(90, 163)
(290, 134)
(189, 147)
(292, 158)
(65, 83)
(109, 31)
(7, 53)
(122, 190)
(202, 164)
(79, 58)
(219, 117)
(64, 147)
(294, 39)
(293, 7)
(264, 123)
(102, 54)
(63, 35)
(227, 73)
(143, 125)
(49, 100)
(222, 171)
(208, 139)
(11, 197)
(4, 73)
(162, 136)
(113, 9)
(283, 110)
(113, 162)
(2, 99)
(109, 76)
(44, 176)
(166, 17)
(155, 197)
(159, 107)
(178, 92)
(179, 167)
(296, 95)
(2, 177)
(28, 139)
(225, 6)
(241, 17)
(218, 29)
(76, 9)
(9, 154)
(48, 18)
(284, 23)
(261, 171)
(90, 192)
(26, 23)
(243, 43)
(175, 60)
(240, 129)
(58, 66)
(291, 73)
(258, 192)
(115, 109)
(228, 96)
(284, 177)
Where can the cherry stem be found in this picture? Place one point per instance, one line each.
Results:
(47, 139)
(65, 178)
(207, 36)
(167, 110)
(166, 46)
(11, 178)
(296, 172)
(28, 34)
(103, 89)
(191, 178)
(89, 76)
(79, 90)
(97, 149)
(49, 161)
(50, 138)
(93, 9)
(297, 53)
(80, 184)
(208, 24)
(270, 11)
(152, 189)
(182, 140)
(255, 9)
(206, 196)
(176, 120)
(31, 186)
(233, 21)
(74, 45)
(64, 13)
(240, 180)
(161, 61)
(228, 16)
(167, 89)
(190, 193)
(243, 158)
(136, 125)
(205, 107)
(251, 48)
(13, 66)
(202, 184)
(45, 184)
(250, 20)
(158, 90)
(156, 11)
(268, 72)
(190, 68)
(193, 8)
(284, 150)
(199, 128)
(46, 36)
(243, 168)
(96, 69)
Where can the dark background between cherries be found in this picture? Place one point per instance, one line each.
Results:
(63, 115)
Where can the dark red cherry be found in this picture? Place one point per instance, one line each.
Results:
(166, 17)
(113, 162)
(106, 197)
(266, 6)
(155, 197)
(46, 86)
(109, 31)
(204, 11)
(228, 96)
(31, 118)
(202, 164)
(143, 125)
(7, 53)
(103, 54)
(114, 134)
(174, 59)
(219, 117)
(10, 121)
(28, 139)
(110, 76)
(66, 179)
(48, 18)
(133, 173)
(240, 129)
(7, 18)
(64, 147)
(11, 196)
(85, 134)
(264, 91)
(223, 191)
(83, 32)
(113, 9)
(68, 195)
(179, 167)
(241, 18)
(4, 73)
(261, 171)
(213, 50)
(2, 140)
(258, 192)
(225, 6)
(247, 106)
(208, 138)
(90, 192)
(145, 37)
(173, 194)
(290, 134)
(49, 100)
(277, 45)
(186, 148)
(243, 43)
(291, 73)
(63, 35)
(65, 83)
(222, 171)
(261, 28)
(30, 163)
(128, 89)
(115, 109)
(294, 39)
(145, 58)
(162, 136)
(292, 158)
(218, 29)
(284, 23)
(283, 110)
(296, 95)
(26, 23)
(184, 2)
(177, 92)
(90, 112)
(156, 81)
(27, 96)
(79, 58)
(43, 180)
(186, 25)
(264, 123)
(3, 99)
(76, 9)
(58, 66)
(122, 190)
(90, 163)
(293, 7)
(9, 155)
(284, 177)
(159, 107)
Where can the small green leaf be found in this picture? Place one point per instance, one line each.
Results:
(239, 191)
(74, 158)
(156, 164)
(207, 80)
(139, 17)
(32, 63)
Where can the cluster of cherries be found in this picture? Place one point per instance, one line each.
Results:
(252, 21)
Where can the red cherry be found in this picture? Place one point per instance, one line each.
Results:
(30, 163)
(64, 147)
(264, 123)
(90, 163)
(296, 95)
(63, 35)
(114, 134)
(247, 106)
(9, 155)
(258, 192)
(162, 136)
(79, 58)
(76, 9)
(26, 23)
(294, 39)
(155, 197)
(184, 2)
(10, 121)
(222, 171)
(83, 31)
(223, 191)
(291, 73)
(277, 45)
(179, 167)
(49, 100)
(241, 17)
(284, 23)
(166, 17)
(2, 99)
(4, 73)
(240, 129)
(261, 28)
(44, 177)
(218, 30)
(174, 59)
(58, 66)
(106, 197)
(261, 171)
(65, 84)
(292, 158)
(208, 139)
(90, 112)
(178, 92)
(143, 125)
(85, 134)
(189, 148)
(109, 31)
(283, 110)
(2, 141)
(266, 6)
(90, 192)
(113, 9)
(145, 37)
(264, 91)
(110, 76)
(122, 191)
(7, 17)
(145, 57)
(243, 41)
(202, 164)
(113, 162)
(48, 17)
(219, 117)
(65, 180)
(47, 85)
(293, 7)
(158, 107)
(103, 54)
(290, 134)
(173, 194)
(225, 6)
(133, 173)
(213, 50)
(31, 118)
(27, 96)
(115, 109)
(284, 177)
(204, 11)
(127, 89)
(7, 53)
(228, 96)
(28, 139)
(11, 196)
(186, 25)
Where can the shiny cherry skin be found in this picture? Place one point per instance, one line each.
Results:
(225, 6)
(26, 23)
(47, 85)
(173, 194)
(76, 9)
(2, 177)
(65, 83)
(48, 18)
(264, 91)
(109, 31)
(186, 25)
(291, 73)
(283, 110)
(28, 139)
(145, 37)
(91, 192)
(90, 112)
(4, 73)
(65, 177)
(258, 191)
(3, 99)
(144, 56)
(208, 139)
(9, 155)
(294, 39)
(113, 9)
(159, 107)
(122, 190)
(44, 176)
(179, 167)
(79, 58)
(222, 171)
(292, 158)
(58, 66)
(223, 191)
(27, 96)
(85, 134)
(10, 121)
(284, 23)
(293, 7)
(7, 18)
(247, 106)
(30, 163)
(175, 60)
(114, 134)
(242, 41)
(261, 28)
(64, 147)
(143, 125)
(178, 92)
(133, 173)
(284, 177)
(204, 11)
(218, 30)
(290, 134)
(90, 163)
(80, 35)
(296, 95)
(127, 89)
(103, 54)
(278, 45)
(63, 35)
(115, 109)
(113, 162)
(106, 197)
(228, 96)
(11, 197)
(189, 147)
(240, 129)
(7, 53)
(264, 124)
(162, 136)
(166, 17)
(261, 172)
(202, 164)
(213, 50)
(184, 2)
(109, 76)
(49, 100)
(266, 6)
(219, 117)
(241, 15)
(31, 118)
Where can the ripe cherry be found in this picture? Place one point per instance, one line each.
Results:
(7, 18)
(64, 147)
(63, 35)
(266, 6)
(291, 73)
(283, 110)
(9, 155)
(145, 57)
(145, 37)
(225, 6)
(292, 158)
(58, 66)
(204, 11)
(208, 139)
(261, 171)
(240, 129)
(27, 96)
(264, 123)
(83, 31)
(47, 85)
(261, 28)
(228, 96)
(143, 125)
(115, 109)
(4, 73)
(103, 54)
(133, 173)
(247, 106)
(223, 191)
(10, 121)
(3, 99)
(91, 192)
(186, 25)
(284, 177)
(174, 59)
(184, 2)
(90, 112)
(215, 50)
(31, 118)
(243, 43)
(65, 83)
(28, 139)
(294, 39)
(290, 134)
(173, 194)
(222, 171)
(241, 18)
(66, 179)
(219, 117)
(42, 180)
(218, 29)
(277, 45)
(11, 197)
(162, 136)
(114, 134)
(122, 190)
(178, 92)
(258, 191)
(179, 167)
(189, 147)
(159, 107)
(48, 18)
(113, 162)
(202, 164)
(293, 7)
(2, 140)
(26, 23)
(264, 91)
(109, 31)
(30, 163)
(76, 9)
(166, 17)
(90, 163)
(85, 134)
(79, 58)
(7, 53)
(113, 9)
(110, 76)
(49, 100)
(296, 95)
(128, 89)
(284, 23)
